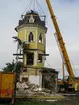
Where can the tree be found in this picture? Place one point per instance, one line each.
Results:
(10, 67)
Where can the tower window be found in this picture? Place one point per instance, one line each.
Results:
(30, 37)
(31, 20)
(40, 38)
(39, 58)
(30, 58)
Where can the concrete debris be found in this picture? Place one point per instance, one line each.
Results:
(31, 90)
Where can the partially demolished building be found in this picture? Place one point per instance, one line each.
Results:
(32, 32)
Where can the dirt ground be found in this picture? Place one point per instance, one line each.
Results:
(70, 100)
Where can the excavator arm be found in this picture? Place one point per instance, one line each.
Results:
(60, 41)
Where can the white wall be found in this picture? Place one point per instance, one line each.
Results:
(33, 79)
(37, 80)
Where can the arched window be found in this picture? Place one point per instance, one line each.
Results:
(40, 38)
(30, 37)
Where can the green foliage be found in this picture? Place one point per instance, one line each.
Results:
(10, 67)
(30, 102)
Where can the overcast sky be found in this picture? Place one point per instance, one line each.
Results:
(67, 14)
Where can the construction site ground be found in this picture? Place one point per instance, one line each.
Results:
(69, 100)
(30, 94)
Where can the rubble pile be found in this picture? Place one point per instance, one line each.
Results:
(27, 89)
(31, 90)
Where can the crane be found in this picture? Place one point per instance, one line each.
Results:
(61, 44)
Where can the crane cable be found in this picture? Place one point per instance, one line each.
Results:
(29, 5)
(74, 70)
(48, 64)
(33, 2)
(34, 5)
(40, 6)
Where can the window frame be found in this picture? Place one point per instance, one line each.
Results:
(41, 41)
(30, 38)
(40, 60)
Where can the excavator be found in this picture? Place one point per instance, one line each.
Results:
(71, 83)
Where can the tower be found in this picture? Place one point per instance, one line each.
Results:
(32, 30)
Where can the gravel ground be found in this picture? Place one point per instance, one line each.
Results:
(70, 100)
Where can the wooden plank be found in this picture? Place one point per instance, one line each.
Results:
(44, 54)
(17, 54)
(20, 58)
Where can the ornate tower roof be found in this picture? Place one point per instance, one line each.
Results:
(31, 18)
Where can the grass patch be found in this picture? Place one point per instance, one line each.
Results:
(35, 102)
(46, 103)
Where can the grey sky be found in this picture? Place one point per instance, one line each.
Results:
(67, 14)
